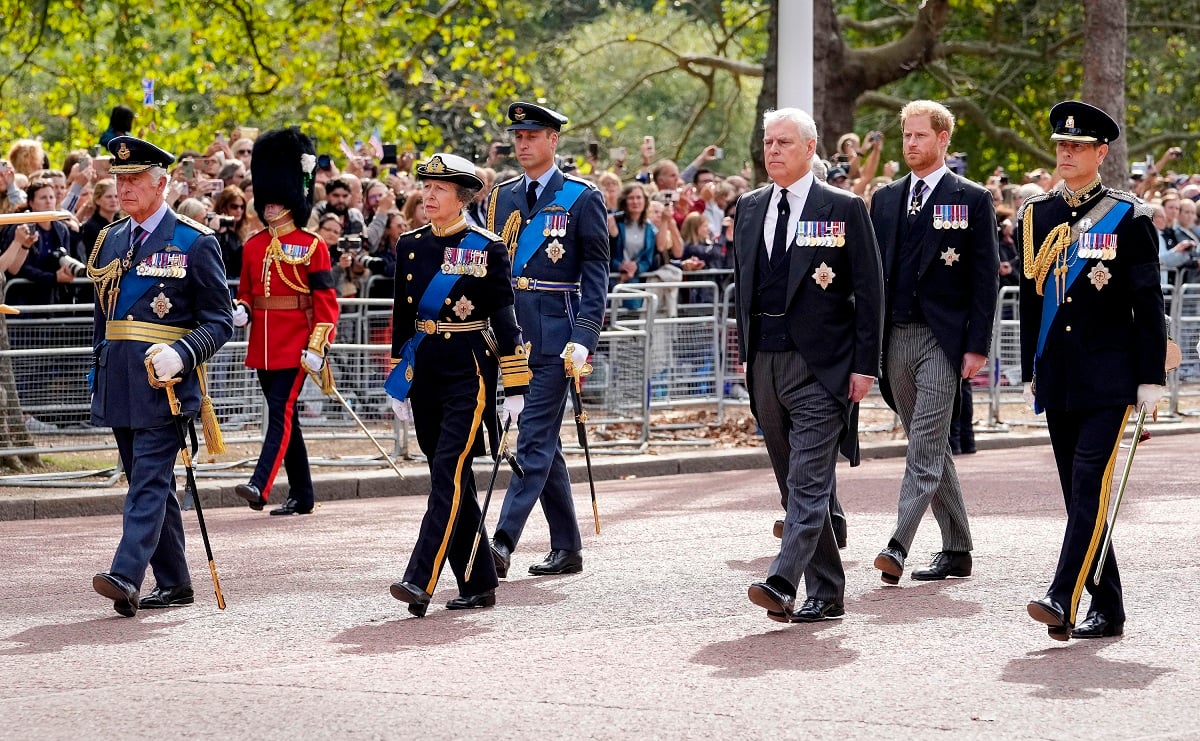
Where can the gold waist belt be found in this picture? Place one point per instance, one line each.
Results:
(429, 326)
(129, 329)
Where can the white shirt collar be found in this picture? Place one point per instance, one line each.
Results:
(931, 180)
(543, 181)
(151, 223)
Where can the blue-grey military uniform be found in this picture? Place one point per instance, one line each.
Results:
(561, 293)
(170, 289)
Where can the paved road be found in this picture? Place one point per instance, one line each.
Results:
(655, 639)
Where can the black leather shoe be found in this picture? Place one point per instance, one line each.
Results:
(120, 590)
(291, 507)
(945, 563)
(777, 604)
(502, 558)
(890, 562)
(815, 609)
(170, 597)
(1045, 610)
(252, 495)
(417, 598)
(487, 599)
(839, 530)
(1097, 625)
(559, 562)
(777, 530)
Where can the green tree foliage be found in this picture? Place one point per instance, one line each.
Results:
(430, 73)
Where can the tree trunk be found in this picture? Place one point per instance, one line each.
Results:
(1104, 41)
(768, 95)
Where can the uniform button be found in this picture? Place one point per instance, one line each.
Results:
(408, 277)
(412, 256)
(1074, 213)
(446, 335)
(487, 353)
(1068, 327)
(410, 299)
(1069, 299)
(447, 302)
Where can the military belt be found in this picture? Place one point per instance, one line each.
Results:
(429, 326)
(130, 329)
(534, 284)
(277, 303)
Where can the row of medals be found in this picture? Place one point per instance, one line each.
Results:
(453, 264)
(556, 225)
(821, 234)
(163, 265)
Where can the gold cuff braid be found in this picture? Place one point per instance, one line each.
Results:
(514, 369)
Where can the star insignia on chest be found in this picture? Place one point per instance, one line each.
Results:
(555, 251)
(823, 276)
(161, 305)
(1099, 275)
(463, 308)
(949, 256)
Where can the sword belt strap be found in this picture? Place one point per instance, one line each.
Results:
(278, 303)
(430, 327)
(533, 284)
(130, 329)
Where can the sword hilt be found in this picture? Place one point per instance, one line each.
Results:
(168, 384)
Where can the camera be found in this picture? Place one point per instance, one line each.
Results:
(351, 242)
(78, 269)
(1174, 153)
(324, 162)
(957, 163)
(504, 149)
(668, 196)
(225, 222)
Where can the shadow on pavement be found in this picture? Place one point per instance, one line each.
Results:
(913, 602)
(796, 646)
(389, 634)
(109, 631)
(1073, 671)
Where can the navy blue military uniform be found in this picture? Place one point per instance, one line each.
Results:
(1104, 335)
(168, 288)
(560, 298)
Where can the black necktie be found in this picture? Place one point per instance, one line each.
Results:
(914, 206)
(780, 243)
(531, 194)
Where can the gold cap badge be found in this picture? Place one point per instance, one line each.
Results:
(123, 151)
(1070, 124)
(518, 114)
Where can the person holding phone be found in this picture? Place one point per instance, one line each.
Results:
(286, 295)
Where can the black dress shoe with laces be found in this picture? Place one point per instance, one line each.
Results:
(777, 604)
(462, 602)
(169, 597)
(120, 590)
(252, 495)
(890, 563)
(1097, 625)
(502, 558)
(559, 562)
(945, 563)
(1046, 610)
(292, 507)
(815, 609)
(417, 598)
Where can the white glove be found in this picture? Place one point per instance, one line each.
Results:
(312, 360)
(1148, 396)
(1027, 395)
(240, 317)
(514, 405)
(167, 362)
(579, 354)
(402, 409)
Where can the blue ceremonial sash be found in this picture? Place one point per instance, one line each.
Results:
(532, 237)
(430, 305)
(134, 286)
(1050, 297)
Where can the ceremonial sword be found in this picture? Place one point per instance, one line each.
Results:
(324, 380)
(501, 454)
(181, 425)
(1137, 436)
(576, 375)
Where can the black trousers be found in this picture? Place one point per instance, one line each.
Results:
(1086, 443)
(284, 443)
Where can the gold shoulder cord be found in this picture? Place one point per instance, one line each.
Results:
(512, 227)
(275, 252)
(107, 279)
(1053, 252)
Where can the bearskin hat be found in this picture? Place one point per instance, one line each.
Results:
(282, 166)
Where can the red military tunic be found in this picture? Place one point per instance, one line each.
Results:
(287, 287)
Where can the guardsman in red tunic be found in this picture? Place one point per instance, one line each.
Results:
(287, 297)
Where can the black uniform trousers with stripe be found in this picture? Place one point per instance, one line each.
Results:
(1085, 445)
(448, 405)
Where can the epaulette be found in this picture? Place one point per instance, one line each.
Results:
(1034, 199)
(414, 231)
(510, 181)
(585, 181)
(1140, 207)
(310, 233)
(194, 224)
(492, 236)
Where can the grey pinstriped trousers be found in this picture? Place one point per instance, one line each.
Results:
(923, 384)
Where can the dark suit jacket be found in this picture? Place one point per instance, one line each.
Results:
(957, 298)
(838, 328)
